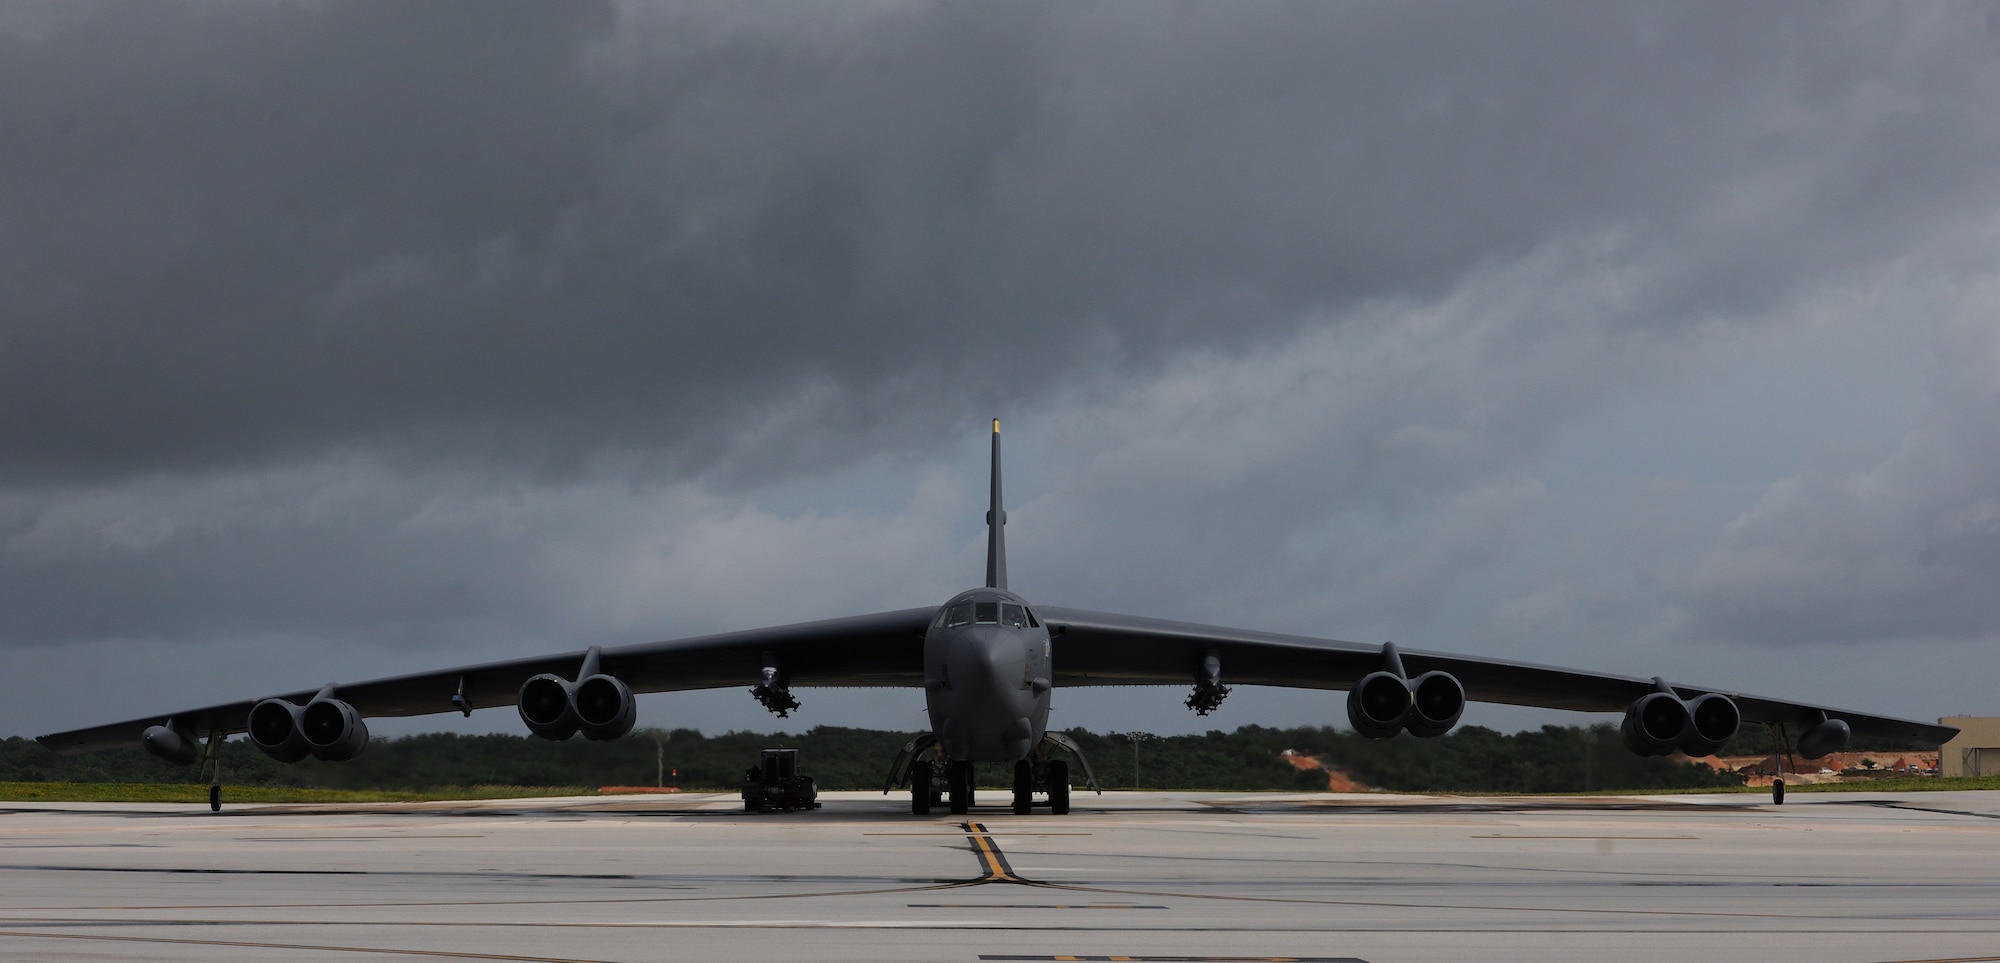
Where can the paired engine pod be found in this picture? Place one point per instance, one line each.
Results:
(275, 728)
(1379, 705)
(1437, 701)
(1655, 725)
(599, 706)
(1712, 720)
(334, 731)
(605, 708)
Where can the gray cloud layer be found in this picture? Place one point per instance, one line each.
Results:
(265, 234)
(452, 325)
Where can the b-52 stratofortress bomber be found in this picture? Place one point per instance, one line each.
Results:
(988, 661)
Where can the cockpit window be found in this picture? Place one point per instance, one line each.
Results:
(958, 613)
(1014, 615)
(986, 611)
(1031, 619)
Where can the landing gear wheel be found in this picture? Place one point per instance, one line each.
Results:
(215, 799)
(1059, 787)
(1024, 787)
(959, 776)
(920, 789)
(1777, 792)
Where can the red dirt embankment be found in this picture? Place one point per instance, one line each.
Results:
(1759, 769)
(1336, 779)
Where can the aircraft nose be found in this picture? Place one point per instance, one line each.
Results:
(979, 657)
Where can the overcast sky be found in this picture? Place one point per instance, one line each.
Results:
(345, 340)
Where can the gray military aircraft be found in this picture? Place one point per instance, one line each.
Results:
(988, 661)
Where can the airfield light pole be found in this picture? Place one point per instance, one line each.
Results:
(1136, 738)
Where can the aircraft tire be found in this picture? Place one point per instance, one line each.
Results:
(1777, 792)
(1024, 787)
(1059, 787)
(215, 799)
(959, 775)
(920, 789)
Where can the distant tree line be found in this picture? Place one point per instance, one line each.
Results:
(1470, 759)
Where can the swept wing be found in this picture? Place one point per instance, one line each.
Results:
(1098, 648)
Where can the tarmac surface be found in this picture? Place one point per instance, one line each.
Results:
(1126, 876)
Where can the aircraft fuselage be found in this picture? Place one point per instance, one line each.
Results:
(986, 677)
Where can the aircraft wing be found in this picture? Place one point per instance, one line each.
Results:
(1097, 648)
(885, 649)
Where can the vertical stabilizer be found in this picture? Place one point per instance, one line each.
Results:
(996, 525)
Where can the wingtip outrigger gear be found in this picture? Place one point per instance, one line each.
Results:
(213, 756)
(1780, 754)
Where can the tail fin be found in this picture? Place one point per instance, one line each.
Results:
(996, 522)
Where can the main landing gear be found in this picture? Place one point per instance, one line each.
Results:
(935, 781)
(1054, 783)
(957, 790)
(959, 778)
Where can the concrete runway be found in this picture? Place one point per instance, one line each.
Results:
(1142, 876)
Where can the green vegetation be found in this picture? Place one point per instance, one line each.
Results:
(838, 758)
(1756, 740)
(1899, 784)
(164, 792)
(1473, 759)
(1552, 759)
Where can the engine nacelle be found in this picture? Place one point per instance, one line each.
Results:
(1379, 705)
(275, 729)
(1712, 720)
(1436, 703)
(1829, 736)
(1655, 724)
(547, 707)
(169, 745)
(605, 708)
(334, 730)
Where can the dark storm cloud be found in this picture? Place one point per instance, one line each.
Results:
(529, 234)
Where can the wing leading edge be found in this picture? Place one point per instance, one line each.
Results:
(1097, 648)
(884, 649)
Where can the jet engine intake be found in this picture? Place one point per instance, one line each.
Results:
(1829, 735)
(1437, 700)
(1712, 720)
(334, 731)
(1655, 724)
(605, 708)
(275, 728)
(547, 707)
(1379, 705)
